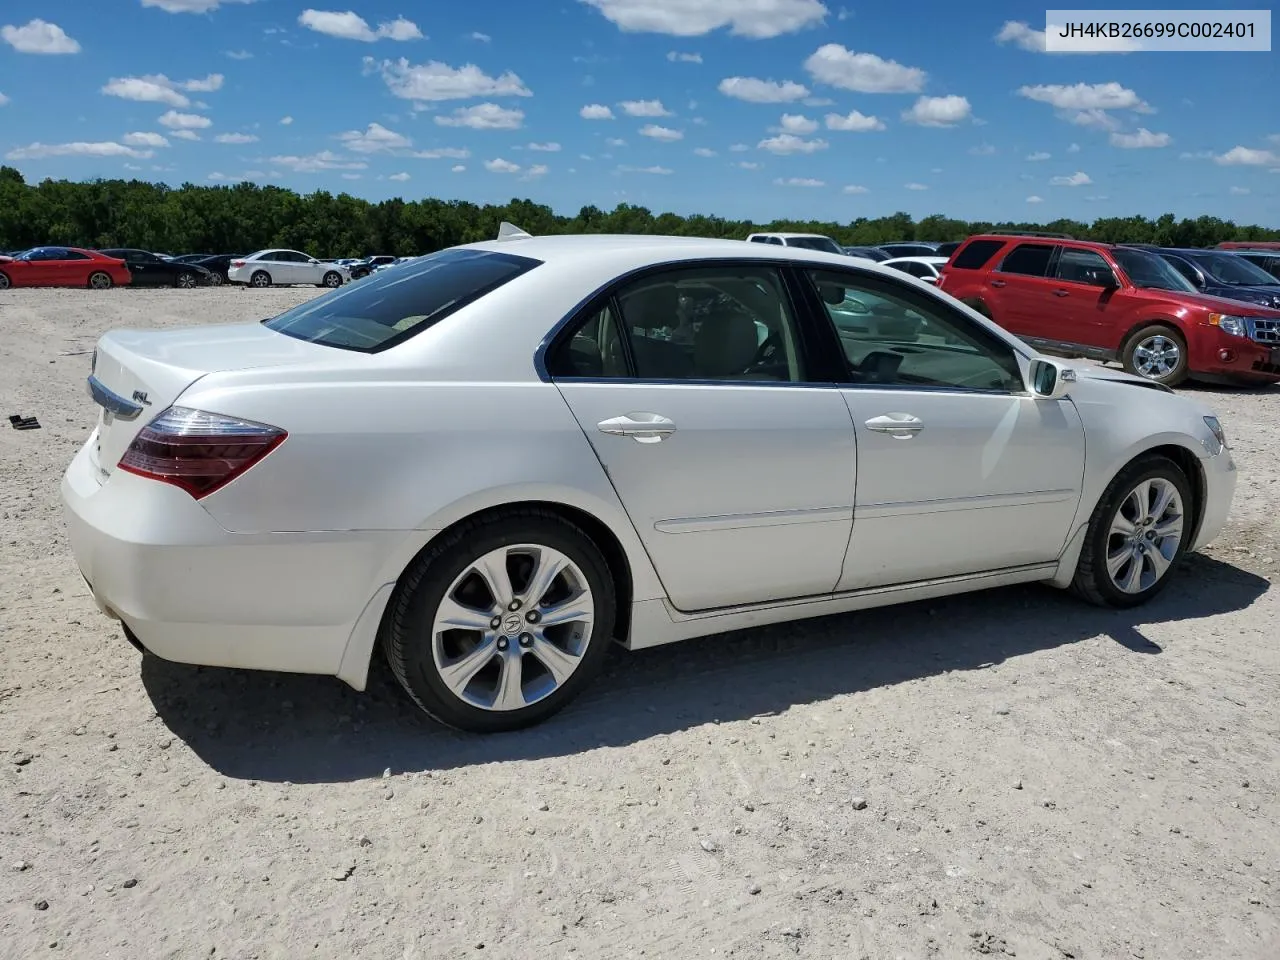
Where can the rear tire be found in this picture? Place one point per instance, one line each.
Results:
(100, 281)
(1137, 536)
(260, 279)
(1161, 351)
(5, 283)
(508, 666)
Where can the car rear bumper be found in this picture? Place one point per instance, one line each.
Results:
(189, 590)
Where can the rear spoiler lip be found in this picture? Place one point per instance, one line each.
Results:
(110, 400)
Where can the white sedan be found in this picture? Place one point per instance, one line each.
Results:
(498, 459)
(283, 268)
(927, 269)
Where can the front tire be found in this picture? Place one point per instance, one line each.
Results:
(216, 280)
(332, 279)
(1137, 536)
(185, 281)
(260, 279)
(1157, 352)
(503, 622)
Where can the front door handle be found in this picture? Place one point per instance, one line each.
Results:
(1060, 293)
(641, 427)
(997, 283)
(901, 426)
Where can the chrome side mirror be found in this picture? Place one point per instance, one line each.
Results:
(1049, 379)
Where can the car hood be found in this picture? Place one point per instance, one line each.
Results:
(1088, 371)
(1264, 295)
(1216, 304)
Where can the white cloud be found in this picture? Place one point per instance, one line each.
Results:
(983, 150)
(452, 153)
(855, 188)
(144, 140)
(157, 88)
(854, 122)
(1098, 119)
(185, 121)
(537, 170)
(439, 81)
(595, 111)
(758, 19)
(480, 37)
(1035, 199)
(615, 142)
(458, 168)
(545, 147)
(675, 57)
(39, 36)
(286, 121)
(189, 6)
(1078, 179)
(185, 134)
(938, 111)
(748, 165)
(1238, 191)
(324, 160)
(399, 177)
(239, 54)
(1074, 148)
(797, 123)
(704, 152)
(644, 108)
(1038, 156)
(236, 138)
(3, 100)
(501, 166)
(659, 171)
(1140, 139)
(916, 186)
(739, 148)
(1197, 155)
(837, 66)
(1084, 96)
(1247, 157)
(484, 116)
(785, 143)
(1019, 33)
(754, 90)
(38, 151)
(666, 134)
(349, 26)
(375, 139)
(353, 176)
(798, 182)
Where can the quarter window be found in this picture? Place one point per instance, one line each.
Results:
(976, 254)
(894, 336)
(1028, 259)
(730, 323)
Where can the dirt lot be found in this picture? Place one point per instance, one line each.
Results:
(1041, 779)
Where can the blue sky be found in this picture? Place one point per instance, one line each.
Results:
(742, 108)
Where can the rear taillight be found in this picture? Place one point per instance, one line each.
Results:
(197, 451)
(237, 263)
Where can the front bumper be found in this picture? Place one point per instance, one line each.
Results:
(1220, 478)
(189, 590)
(1218, 354)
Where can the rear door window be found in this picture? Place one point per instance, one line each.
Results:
(392, 306)
(1028, 260)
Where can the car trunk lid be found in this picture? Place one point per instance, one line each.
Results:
(137, 374)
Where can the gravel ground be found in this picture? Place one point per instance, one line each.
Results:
(1009, 773)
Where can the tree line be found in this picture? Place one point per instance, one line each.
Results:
(244, 217)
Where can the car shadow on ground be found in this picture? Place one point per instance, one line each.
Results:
(301, 729)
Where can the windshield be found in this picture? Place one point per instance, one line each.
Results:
(391, 306)
(1234, 271)
(825, 244)
(1148, 271)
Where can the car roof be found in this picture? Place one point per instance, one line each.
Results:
(933, 260)
(630, 251)
(776, 233)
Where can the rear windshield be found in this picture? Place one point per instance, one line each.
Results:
(825, 244)
(389, 307)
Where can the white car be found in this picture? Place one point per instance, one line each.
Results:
(805, 241)
(927, 269)
(498, 459)
(282, 268)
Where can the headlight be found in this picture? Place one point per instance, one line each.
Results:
(1218, 434)
(1228, 323)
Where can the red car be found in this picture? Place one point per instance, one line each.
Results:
(62, 267)
(1114, 302)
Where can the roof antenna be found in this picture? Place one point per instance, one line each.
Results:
(509, 231)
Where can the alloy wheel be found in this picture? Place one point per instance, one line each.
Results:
(100, 281)
(513, 627)
(1157, 356)
(1145, 534)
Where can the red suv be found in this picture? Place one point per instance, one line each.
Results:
(1114, 302)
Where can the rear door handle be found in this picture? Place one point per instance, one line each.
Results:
(641, 427)
(997, 283)
(1060, 293)
(901, 426)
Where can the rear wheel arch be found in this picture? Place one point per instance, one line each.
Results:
(978, 305)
